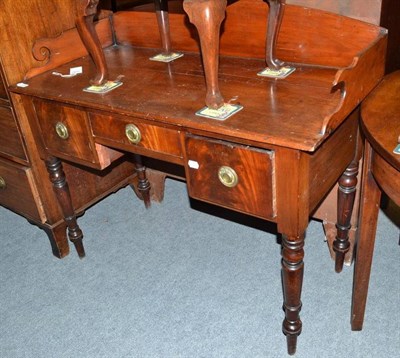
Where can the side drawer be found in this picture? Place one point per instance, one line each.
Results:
(10, 139)
(65, 131)
(17, 190)
(233, 176)
(126, 132)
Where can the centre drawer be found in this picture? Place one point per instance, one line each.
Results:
(230, 175)
(137, 135)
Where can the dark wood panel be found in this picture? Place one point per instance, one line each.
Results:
(26, 22)
(10, 138)
(390, 19)
(327, 163)
(16, 189)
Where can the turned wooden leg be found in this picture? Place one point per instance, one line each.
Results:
(369, 209)
(143, 183)
(346, 196)
(163, 25)
(84, 23)
(292, 276)
(61, 189)
(276, 9)
(207, 16)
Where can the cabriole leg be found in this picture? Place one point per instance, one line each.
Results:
(207, 16)
(276, 9)
(84, 23)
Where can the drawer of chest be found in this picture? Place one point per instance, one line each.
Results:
(233, 176)
(65, 131)
(137, 135)
(10, 139)
(17, 189)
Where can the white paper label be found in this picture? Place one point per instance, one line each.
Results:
(193, 164)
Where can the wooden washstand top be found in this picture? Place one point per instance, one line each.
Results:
(339, 69)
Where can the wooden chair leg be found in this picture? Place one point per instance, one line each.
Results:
(163, 25)
(207, 16)
(84, 23)
(276, 9)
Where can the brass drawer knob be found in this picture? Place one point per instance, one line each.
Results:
(228, 177)
(62, 130)
(133, 133)
(2, 183)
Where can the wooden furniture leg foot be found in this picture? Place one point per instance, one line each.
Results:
(369, 209)
(157, 185)
(207, 16)
(292, 276)
(346, 196)
(163, 25)
(276, 9)
(58, 240)
(84, 23)
(61, 189)
(143, 183)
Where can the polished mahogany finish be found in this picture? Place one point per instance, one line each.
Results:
(24, 53)
(380, 122)
(273, 159)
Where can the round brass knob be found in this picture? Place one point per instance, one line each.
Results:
(228, 177)
(2, 183)
(62, 130)
(133, 133)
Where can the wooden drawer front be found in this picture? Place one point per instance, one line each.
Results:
(208, 160)
(10, 139)
(153, 138)
(78, 142)
(16, 189)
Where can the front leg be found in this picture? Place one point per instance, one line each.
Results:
(61, 189)
(84, 23)
(346, 196)
(207, 16)
(292, 277)
(276, 9)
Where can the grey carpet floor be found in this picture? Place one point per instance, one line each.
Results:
(174, 281)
